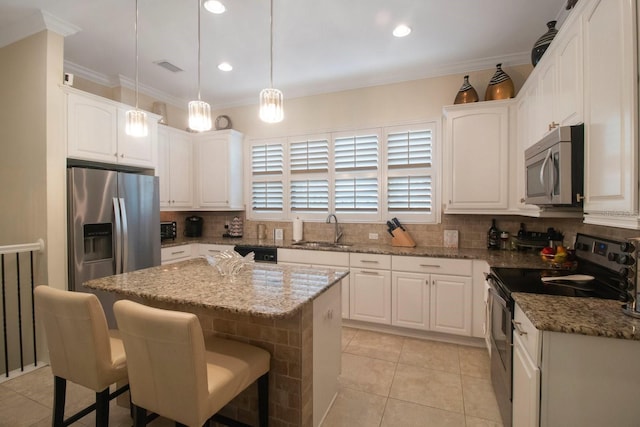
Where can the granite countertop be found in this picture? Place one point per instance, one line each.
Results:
(264, 290)
(495, 258)
(572, 315)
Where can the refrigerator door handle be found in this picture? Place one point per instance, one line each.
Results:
(125, 237)
(118, 224)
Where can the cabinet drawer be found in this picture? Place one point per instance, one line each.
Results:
(211, 249)
(313, 257)
(416, 264)
(175, 253)
(529, 336)
(370, 261)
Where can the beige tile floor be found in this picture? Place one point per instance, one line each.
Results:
(386, 381)
(390, 381)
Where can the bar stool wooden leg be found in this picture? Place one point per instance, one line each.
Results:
(59, 395)
(263, 400)
(102, 408)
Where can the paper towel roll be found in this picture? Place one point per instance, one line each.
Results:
(297, 229)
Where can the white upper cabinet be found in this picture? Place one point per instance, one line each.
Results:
(92, 129)
(137, 151)
(476, 168)
(569, 89)
(555, 87)
(95, 132)
(611, 114)
(219, 170)
(175, 168)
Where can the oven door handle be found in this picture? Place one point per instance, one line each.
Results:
(497, 297)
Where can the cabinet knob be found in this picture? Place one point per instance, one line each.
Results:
(579, 197)
(522, 200)
(115, 154)
(553, 125)
(121, 155)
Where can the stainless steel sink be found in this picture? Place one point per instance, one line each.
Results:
(329, 245)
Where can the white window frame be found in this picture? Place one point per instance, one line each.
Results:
(308, 215)
(378, 174)
(249, 179)
(382, 174)
(433, 171)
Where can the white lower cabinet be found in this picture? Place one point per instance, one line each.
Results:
(438, 302)
(370, 296)
(451, 304)
(430, 294)
(410, 295)
(172, 254)
(566, 379)
(526, 387)
(526, 372)
(327, 342)
(322, 259)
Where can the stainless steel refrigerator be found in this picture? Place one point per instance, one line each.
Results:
(114, 227)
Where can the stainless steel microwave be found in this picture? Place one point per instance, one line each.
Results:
(555, 168)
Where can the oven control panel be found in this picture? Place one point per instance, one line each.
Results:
(617, 256)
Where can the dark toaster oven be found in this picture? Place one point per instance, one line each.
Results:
(168, 230)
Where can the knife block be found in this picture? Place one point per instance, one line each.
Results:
(402, 238)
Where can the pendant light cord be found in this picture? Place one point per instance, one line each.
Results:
(136, 30)
(271, 46)
(199, 6)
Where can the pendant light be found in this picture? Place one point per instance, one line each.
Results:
(271, 100)
(136, 119)
(199, 111)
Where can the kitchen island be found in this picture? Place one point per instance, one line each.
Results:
(292, 312)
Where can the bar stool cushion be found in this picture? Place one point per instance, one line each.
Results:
(82, 349)
(174, 372)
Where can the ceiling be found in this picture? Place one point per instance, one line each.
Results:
(318, 46)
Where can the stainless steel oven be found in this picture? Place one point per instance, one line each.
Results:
(604, 268)
(500, 337)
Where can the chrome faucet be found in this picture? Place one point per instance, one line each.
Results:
(337, 234)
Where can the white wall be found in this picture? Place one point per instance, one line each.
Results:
(411, 101)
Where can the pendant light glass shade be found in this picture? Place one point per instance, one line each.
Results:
(271, 100)
(136, 120)
(199, 116)
(136, 123)
(199, 111)
(271, 105)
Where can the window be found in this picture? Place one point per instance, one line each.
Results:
(362, 176)
(410, 172)
(309, 175)
(267, 179)
(357, 170)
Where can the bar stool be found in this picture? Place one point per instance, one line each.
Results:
(82, 350)
(176, 373)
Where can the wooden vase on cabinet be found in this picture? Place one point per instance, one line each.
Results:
(500, 86)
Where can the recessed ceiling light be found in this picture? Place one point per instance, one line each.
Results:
(214, 6)
(401, 31)
(225, 66)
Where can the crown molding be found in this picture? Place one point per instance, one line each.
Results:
(152, 92)
(34, 23)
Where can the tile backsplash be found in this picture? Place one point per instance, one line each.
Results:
(472, 229)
